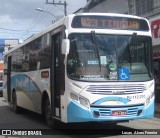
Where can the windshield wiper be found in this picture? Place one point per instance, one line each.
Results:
(134, 39)
(93, 36)
(131, 42)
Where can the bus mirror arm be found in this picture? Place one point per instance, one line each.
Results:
(65, 46)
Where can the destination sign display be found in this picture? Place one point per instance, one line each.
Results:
(110, 22)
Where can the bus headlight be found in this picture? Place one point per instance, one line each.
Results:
(74, 96)
(84, 102)
(148, 100)
(81, 100)
(151, 87)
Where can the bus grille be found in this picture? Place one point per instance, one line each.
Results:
(116, 89)
(131, 111)
(104, 112)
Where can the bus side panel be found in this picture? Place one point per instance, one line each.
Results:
(27, 91)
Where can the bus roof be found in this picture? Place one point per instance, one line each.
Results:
(111, 14)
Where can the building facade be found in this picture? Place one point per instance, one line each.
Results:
(107, 6)
(5, 45)
(145, 8)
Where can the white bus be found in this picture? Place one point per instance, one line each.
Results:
(88, 67)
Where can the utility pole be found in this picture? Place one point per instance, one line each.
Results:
(60, 3)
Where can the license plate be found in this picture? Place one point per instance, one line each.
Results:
(119, 113)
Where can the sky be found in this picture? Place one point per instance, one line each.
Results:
(20, 20)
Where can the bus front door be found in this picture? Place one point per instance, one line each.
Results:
(9, 79)
(55, 75)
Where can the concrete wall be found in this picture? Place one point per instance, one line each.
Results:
(111, 6)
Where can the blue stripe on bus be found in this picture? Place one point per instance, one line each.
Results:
(118, 99)
(75, 113)
(24, 83)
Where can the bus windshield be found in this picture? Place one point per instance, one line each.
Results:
(103, 57)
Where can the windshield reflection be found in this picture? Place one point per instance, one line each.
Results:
(117, 55)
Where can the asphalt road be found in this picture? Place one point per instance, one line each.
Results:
(31, 121)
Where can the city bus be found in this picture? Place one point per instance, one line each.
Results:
(86, 67)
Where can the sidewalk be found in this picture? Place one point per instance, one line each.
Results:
(157, 107)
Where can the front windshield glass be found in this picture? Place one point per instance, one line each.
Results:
(99, 57)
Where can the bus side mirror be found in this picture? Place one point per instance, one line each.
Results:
(65, 46)
(5, 71)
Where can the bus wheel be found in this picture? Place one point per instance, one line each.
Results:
(16, 109)
(48, 116)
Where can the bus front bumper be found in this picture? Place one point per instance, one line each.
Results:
(76, 113)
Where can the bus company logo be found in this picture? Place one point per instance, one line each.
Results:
(118, 92)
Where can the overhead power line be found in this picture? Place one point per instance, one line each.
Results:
(21, 33)
(7, 29)
(33, 23)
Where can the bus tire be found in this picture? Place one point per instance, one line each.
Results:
(48, 116)
(16, 108)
